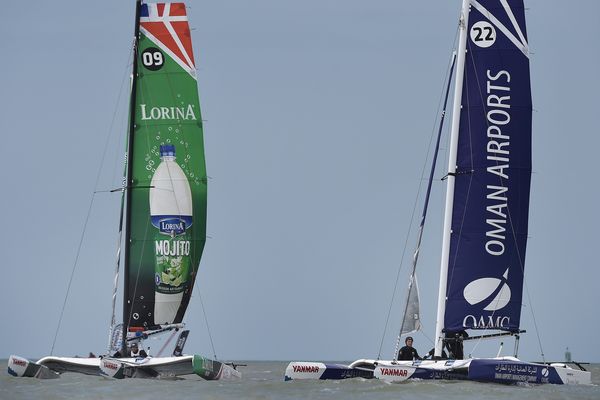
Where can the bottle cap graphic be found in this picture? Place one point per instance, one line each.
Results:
(167, 150)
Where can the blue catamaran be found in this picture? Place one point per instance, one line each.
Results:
(486, 215)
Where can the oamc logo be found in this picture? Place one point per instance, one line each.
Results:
(481, 290)
(545, 372)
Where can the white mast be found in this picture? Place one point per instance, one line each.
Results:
(458, 86)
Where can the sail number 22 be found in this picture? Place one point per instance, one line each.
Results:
(483, 34)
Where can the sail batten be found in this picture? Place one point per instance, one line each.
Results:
(491, 195)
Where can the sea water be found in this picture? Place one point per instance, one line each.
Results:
(264, 380)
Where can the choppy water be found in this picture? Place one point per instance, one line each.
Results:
(264, 380)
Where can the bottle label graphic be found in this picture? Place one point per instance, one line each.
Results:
(171, 215)
(172, 262)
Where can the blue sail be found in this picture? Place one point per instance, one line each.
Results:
(491, 198)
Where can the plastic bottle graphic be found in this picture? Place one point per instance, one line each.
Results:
(171, 215)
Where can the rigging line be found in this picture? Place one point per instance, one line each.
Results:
(126, 74)
(62, 311)
(413, 278)
(537, 331)
(110, 128)
(120, 231)
(522, 266)
(447, 144)
(207, 325)
(164, 346)
(413, 213)
(400, 265)
(118, 259)
(82, 237)
(427, 337)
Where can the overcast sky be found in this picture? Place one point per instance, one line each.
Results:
(318, 118)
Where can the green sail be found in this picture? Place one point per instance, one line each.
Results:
(167, 183)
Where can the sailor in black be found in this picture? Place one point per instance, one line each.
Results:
(454, 344)
(134, 351)
(408, 352)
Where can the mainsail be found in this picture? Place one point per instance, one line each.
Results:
(493, 172)
(166, 183)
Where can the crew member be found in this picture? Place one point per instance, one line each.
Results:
(454, 344)
(408, 352)
(134, 351)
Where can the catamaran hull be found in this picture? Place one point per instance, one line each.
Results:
(213, 370)
(369, 369)
(300, 370)
(507, 370)
(19, 366)
(400, 371)
(151, 367)
(162, 367)
(515, 371)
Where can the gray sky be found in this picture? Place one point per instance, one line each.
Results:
(318, 117)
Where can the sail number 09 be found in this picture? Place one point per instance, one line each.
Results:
(153, 58)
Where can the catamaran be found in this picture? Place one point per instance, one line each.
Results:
(486, 215)
(163, 210)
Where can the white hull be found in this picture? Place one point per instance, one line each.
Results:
(150, 367)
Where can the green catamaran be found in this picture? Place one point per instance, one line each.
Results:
(163, 209)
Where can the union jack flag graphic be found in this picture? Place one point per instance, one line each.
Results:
(166, 24)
